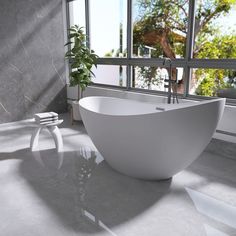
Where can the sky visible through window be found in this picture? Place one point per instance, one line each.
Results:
(106, 16)
(227, 23)
(213, 40)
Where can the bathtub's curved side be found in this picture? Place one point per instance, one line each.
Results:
(156, 145)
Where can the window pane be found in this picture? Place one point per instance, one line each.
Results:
(111, 75)
(152, 78)
(215, 29)
(77, 13)
(213, 82)
(160, 28)
(108, 27)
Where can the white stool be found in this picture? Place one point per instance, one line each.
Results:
(55, 132)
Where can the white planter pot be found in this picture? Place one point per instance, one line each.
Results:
(75, 111)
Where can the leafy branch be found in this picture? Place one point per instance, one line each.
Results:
(81, 58)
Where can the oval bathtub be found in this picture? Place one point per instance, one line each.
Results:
(150, 141)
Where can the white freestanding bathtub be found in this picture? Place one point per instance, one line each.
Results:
(150, 141)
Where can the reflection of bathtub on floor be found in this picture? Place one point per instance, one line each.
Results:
(215, 209)
(150, 141)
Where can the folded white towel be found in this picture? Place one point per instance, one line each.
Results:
(46, 116)
(54, 123)
(47, 119)
(47, 122)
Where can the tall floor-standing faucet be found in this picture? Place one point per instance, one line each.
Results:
(170, 81)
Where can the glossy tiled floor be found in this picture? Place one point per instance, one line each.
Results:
(79, 194)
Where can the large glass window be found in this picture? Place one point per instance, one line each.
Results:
(110, 75)
(108, 24)
(154, 78)
(199, 36)
(215, 29)
(213, 82)
(160, 28)
(77, 13)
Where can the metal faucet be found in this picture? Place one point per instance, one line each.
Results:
(170, 82)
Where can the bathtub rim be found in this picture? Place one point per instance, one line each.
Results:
(187, 105)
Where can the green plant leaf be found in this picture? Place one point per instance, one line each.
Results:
(82, 58)
(68, 43)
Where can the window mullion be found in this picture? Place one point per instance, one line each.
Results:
(189, 45)
(87, 21)
(129, 41)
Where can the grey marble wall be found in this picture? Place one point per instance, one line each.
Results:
(32, 67)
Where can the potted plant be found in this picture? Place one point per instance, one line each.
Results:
(81, 59)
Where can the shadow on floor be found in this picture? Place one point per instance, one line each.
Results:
(83, 191)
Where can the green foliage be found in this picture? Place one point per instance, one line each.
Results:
(81, 58)
(109, 54)
(157, 26)
(148, 76)
(221, 47)
(162, 24)
(212, 80)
